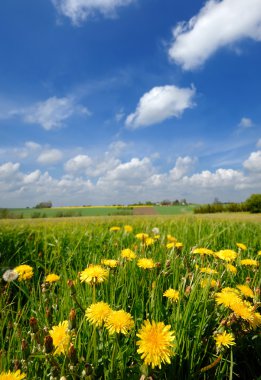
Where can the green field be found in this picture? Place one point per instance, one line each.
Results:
(57, 212)
(51, 329)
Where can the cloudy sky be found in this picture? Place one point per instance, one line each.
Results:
(119, 101)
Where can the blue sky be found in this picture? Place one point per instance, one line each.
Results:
(119, 101)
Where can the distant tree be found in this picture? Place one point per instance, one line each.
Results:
(175, 203)
(183, 202)
(166, 202)
(253, 203)
(44, 205)
(216, 201)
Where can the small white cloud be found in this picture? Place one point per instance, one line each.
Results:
(182, 167)
(246, 122)
(253, 163)
(8, 169)
(218, 24)
(32, 145)
(50, 156)
(159, 104)
(81, 10)
(258, 144)
(32, 177)
(78, 163)
(53, 112)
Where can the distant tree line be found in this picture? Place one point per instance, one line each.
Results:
(252, 205)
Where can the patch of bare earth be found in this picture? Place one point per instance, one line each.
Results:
(144, 211)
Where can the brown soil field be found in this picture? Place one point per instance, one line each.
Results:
(144, 211)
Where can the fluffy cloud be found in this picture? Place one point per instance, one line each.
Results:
(246, 122)
(258, 144)
(160, 103)
(8, 169)
(80, 10)
(182, 167)
(220, 178)
(50, 156)
(53, 112)
(32, 177)
(218, 24)
(253, 163)
(78, 163)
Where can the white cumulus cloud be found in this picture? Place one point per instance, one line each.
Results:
(53, 112)
(80, 10)
(50, 156)
(218, 24)
(78, 163)
(159, 104)
(253, 163)
(183, 166)
(8, 169)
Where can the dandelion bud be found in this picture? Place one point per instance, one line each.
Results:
(168, 262)
(48, 344)
(248, 279)
(25, 349)
(188, 290)
(33, 324)
(70, 283)
(72, 354)
(72, 319)
(88, 369)
(17, 365)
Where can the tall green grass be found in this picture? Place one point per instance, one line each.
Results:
(68, 248)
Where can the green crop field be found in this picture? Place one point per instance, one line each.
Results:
(130, 297)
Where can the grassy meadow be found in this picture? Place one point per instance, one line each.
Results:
(130, 298)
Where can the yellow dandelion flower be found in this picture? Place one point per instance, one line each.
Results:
(231, 268)
(172, 294)
(142, 236)
(128, 254)
(61, 337)
(156, 343)
(227, 298)
(208, 270)
(249, 262)
(203, 251)
(256, 321)
(115, 229)
(149, 241)
(52, 278)
(25, 272)
(226, 254)
(242, 310)
(241, 246)
(170, 245)
(119, 322)
(207, 282)
(97, 313)
(224, 340)
(146, 263)
(171, 239)
(246, 291)
(128, 228)
(94, 274)
(259, 253)
(17, 375)
(110, 263)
